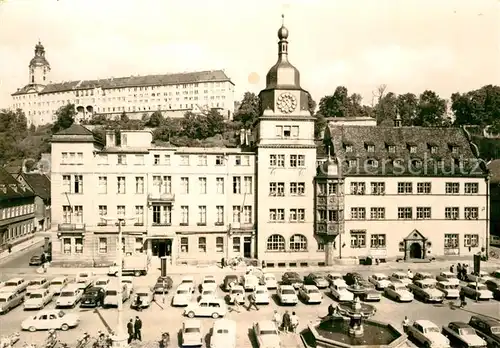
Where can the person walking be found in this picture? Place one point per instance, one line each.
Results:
(452, 268)
(277, 320)
(406, 323)
(459, 271)
(294, 321)
(410, 274)
(138, 328)
(286, 322)
(130, 330)
(251, 301)
(463, 303)
(237, 300)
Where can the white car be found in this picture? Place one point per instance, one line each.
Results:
(14, 285)
(192, 335)
(379, 280)
(287, 295)
(448, 277)
(70, 296)
(223, 334)
(183, 295)
(38, 299)
(211, 307)
(479, 291)
(399, 292)
(236, 291)
(129, 283)
(84, 279)
(35, 284)
(339, 291)
(310, 294)
(208, 283)
(482, 277)
(206, 293)
(333, 276)
(102, 283)
(146, 295)
(427, 334)
(50, 320)
(189, 280)
(57, 284)
(400, 277)
(270, 281)
(250, 281)
(449, 289)
(267, 334)
(261, 294)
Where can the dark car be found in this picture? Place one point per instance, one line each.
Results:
(230, 280)
(494, 286)
(37, 260)
(92, 297)
(462, 335)
(163, 285)
(488, 329)
(316, 279)
(353, 277)
(292, 278)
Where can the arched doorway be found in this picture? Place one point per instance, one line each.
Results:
(415, 250)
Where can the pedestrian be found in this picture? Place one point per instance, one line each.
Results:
(463, 303)
(331, 310)
(138, 328)
(222, 263)
(459, 271)
(9, 247)
(237, 300)
(277, 319)
(294, 321)
(452, 268)
(251, 301)
(286, 322)
(138, 303)
(130, 330)
(410, 274)
(406, 323)
(464, 272)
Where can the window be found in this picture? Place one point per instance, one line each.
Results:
(248, 185)
(358, 213)
(391, 148)
(220, 215)
(139, 245)
(162, 214)
(219, 160)
(280, 189)
(236, 244)
(120, 184)
(405, 187)
(78, 188)
(202, 244)
(219, 244)
(166, 160)
(321, 189)
(358, 188)
(281, 161)
(184, 160)
(413, 149)
(237, 160)
(377, 241)
(301, 160)
(139, 184)
(377, 213)
(246, 160)
(185, 185)
(139, 160)
(78, 214)
(452, 187)
(203, 185)
(423, 212)
(287, 131)
(79, 245)
(333, 188)
(139, 214)
(471, 187)
(273, 161)
(423, 187)
(348, 148)
(120, 211)
(471, 240)
(202, 160)
(236, 184)
(295, 131)
(184, 215)
(471, 213)
(405, 213)
(220, 185)
(454, 150)
(103, 185)
(293, 161)
(451, 241)
(67, 245)
(156, 160)
(103, 245)
(236, 213)
(247, 214)
(66, 183)
(358, 239)
(121, 159)
(273, 191)
(451, 213)
(202, 215)
(162, 184)
(370, 148)
(103, 212)
(276, 242)
(184, 244)
(377, 188)
(298, 242)
(333, 215)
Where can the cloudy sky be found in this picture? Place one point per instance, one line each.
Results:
(409, 45)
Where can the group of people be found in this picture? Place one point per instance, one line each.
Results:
(286, 323)
(461, 271)
(239, 301)
(134, 329)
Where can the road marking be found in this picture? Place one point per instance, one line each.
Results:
(105, 323)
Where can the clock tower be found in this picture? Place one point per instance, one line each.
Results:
(286, 167)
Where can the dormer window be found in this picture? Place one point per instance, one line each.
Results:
(370, 147)
(352, 163)
(372, 162)
(348, 147)
(454, 149)
(412, 148)
(416, 163)
(391, 148)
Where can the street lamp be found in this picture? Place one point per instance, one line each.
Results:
(120, 337)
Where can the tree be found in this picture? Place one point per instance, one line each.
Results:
(385, 110)
(65, 117)
(249, 109)
(13, 129)
(171, 127)
(124, 117)
(215, 122)
(431, 110)
(155, 120)
(477, 107)
(341, 104)
(407, 105)
(311, 104)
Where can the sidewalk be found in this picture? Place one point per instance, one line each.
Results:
(35, 241)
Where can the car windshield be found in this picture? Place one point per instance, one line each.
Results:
(80, 281)
(36, 296)
(111, 293)
(143, 294)
(260, 291)
(313, 291)
(222, 331)
(182, 292)
(467, 331)
(481, 287)
(3, 300)
(382, 277)
(67, 294)
(267, 332)
(495, 330)
(187, 281)
(427, 286)
(207, 292)
(288, 292)
(399, 287)
(101, 282)
(192, 330)
(432, 329)
(207, 281)
(56, 283)
(83, 275)
(450, 276)
(10, 283)
(237, 291)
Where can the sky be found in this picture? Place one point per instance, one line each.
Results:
(409, 45)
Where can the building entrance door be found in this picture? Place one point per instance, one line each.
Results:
(247, 247)
(415, 250)
(161, 247)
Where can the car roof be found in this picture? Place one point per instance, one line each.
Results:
(339, 282)
(183, 286)
(127, 278)
(400, 273)
(398, 284)
(426, 281)
(71, 286)
(460, 324)
(143, 289)
(310, 287)
(38, 279)
(316, 274)
(38, 291)
(261, 287)
(292, 274)
(269, 274)
(447, 273)
(489, 321)
(266, 325)
(237, 286)
(17, 279)
(379, 274)
(474, 283)
(287, 287)
(6, 294)
(59, 279)
(224, 323)
(425, 323)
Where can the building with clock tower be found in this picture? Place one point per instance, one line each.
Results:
(286, 167)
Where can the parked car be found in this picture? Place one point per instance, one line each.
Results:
(426, 290)
(38, 299)
(287, 295)
(208, 282)
(84, 280)
(477, 290)
(213, 307)
(379, 280)
(293, 279)
(270, 281)
(463, 335)
(192, 335)
(250, 282)
(208, 293)
(129, 283)
(163, 285)
(261, 295)
(316, 279)
(57, 284)
(423, 276)
(51, 320)
(36, 284)
(496, 274)
(188, 280)
(70, 296)
(447, 277)
(266, 334)
(494, 287)
(223, 334)
(183, 295)
(102, 283)
(353, 277)
(93, 297)
(339, 291)
(369, 293)
(488, 329)
(10, 300)
(37, 260)
(482, 277)
(15, 285)
(236, 291)
(112, 292)
(399, 292)
(310, 294)
(332, 276)
(427, 334)
(400, 277)
(449, 289)
(229, 281)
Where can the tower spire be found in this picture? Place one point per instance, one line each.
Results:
(283, 43)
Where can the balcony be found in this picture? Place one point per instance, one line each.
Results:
(331, 201)
(71, 227)
(330, 228)
(161, 197)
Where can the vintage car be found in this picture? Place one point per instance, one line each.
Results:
(250, 282)
(15, 285)
(163, 285)
(494, 287)
(482, 277)
(10, 300)
(229, 281)
(38, 299)
(93, 297)
(496, 274)
(310, 294)
(206, 293)
(400, 277)
(37, 260)
(236, 291)
(270, 281)
(449, 289)
(112, 296)
(427, 334)
(332, 276)
(35, 284)
(183, 295)
(211, 307)
(261, 294)
(293, 279)
(339, 291)
(316, 279)
(223, 334)
(102, 283)
(208, 282)
(379, 280)
(266, 334)
(463, 335)
(50, 320)
(399, 292)
(189, 280)
(287, 295)
(57, 284)
(422, 276)
(488, 329)
(353, 277)
(426, 290)
(84, 280)
(129, 283)
(192, 335)
(69, 296)
(477, 291)
(447, 277)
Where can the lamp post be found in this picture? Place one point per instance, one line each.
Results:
(120, 337)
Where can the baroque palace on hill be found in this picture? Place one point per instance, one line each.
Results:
(385, 192)
(171, 94)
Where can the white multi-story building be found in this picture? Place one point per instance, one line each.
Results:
(171, 94)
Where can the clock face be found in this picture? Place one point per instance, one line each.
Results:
(286, 103)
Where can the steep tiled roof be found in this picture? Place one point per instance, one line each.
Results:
(75, 129)
(10, 188)
(409, 146)
(76, 133)
(39, 184)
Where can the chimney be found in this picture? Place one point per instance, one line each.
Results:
(110, 138)
(397, 120)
